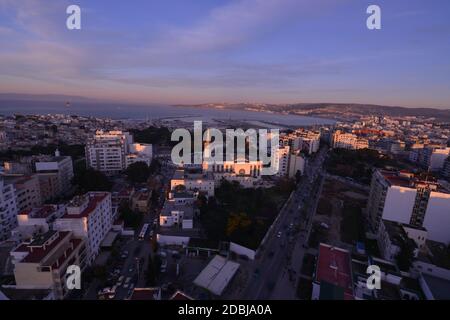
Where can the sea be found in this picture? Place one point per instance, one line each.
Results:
(120, 111)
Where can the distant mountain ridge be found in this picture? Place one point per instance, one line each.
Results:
(324, 110)
(335, 110)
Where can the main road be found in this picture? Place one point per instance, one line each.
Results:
(274, 270)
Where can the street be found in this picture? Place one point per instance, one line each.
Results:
(274, 272)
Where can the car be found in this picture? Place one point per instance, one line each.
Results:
(127, 282)
(279, 234)
(120, 281)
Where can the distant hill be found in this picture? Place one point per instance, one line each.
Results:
(335, 110)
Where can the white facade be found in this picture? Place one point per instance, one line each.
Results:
(282, 161)
(61, 167)
(349, 141)
(8, 210)
(202, 182)
(139, 152)
(437, 217)
(399, 204)
(246, 173)
(113, 151)
(296, 163)
(437, 159)
(89, 217)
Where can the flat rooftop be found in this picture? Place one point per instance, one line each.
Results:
(334, 268)
(170, 206)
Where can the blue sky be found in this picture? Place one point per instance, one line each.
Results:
(194, 51)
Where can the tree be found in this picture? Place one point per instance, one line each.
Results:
(138, 172)
(130, 218)
(92, 180)
(237, 222)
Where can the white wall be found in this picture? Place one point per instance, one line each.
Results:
(172, 240)
(399, 204)
(241, 250)
(437, 217)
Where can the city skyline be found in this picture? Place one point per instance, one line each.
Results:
(229, 51)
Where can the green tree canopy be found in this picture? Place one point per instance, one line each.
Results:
(138, 172)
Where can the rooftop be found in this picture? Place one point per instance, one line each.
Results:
(334, 268)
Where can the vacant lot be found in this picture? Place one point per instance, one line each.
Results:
(339, 214)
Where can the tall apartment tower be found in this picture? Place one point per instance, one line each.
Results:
(403, 197)
(8, 209)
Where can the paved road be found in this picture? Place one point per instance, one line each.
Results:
(273, 270)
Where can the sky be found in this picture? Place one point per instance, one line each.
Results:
(198, 51)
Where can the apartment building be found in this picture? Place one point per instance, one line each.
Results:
(392, 237)
(139, 152)
(89, 217)
(247, 173)
(106, 151)
(36, 221)
(309, 141)
(42, 263)
(27, 190)
(349, 141)
(194, 180)
(8, 210)
(404, 198)
(55, 175)
(176, 213)
(296, 164)
(113, 151)
(282, 161)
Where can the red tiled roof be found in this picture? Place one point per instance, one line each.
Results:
(38, 253)
(93, 203)
(144, 293)
(42, 212)
(333, 266)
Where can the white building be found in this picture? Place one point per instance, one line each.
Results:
(42, 263)
(247, 173)
(55, 175)
(27, 190)
(139, 152)
(36, 221)
(401, 197)
(89, 217)
(296, 163)
(437, 159)
(349, 141)
(8, 210)
(391, 237)
(112, 152)
(282, 161)
(175, 213)
(194, 180)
